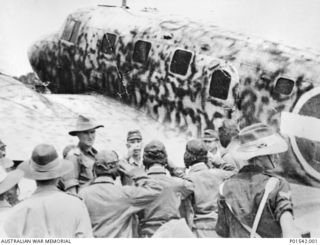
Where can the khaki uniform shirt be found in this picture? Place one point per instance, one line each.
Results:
(204, 201)
(83, 161)
(4, 206)
(5, 209)
(125, 180)
(112, 207)
(166, 206)
(243, 193)
(49, 213)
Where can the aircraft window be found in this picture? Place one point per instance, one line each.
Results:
(284, 86)
(108, 42)
(220, 84)
(180, 62)
(141, 51)
(70, 32)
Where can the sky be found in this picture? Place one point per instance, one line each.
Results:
(292, 22)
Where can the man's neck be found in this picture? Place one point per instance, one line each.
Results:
(84, 147)
(136, 158)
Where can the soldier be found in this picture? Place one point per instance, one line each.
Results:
(112, 208)
(241, 195)
(134, 146)
(165, 207)
(7, 164)
(49, 212)
(211, 139)
(7, 182)
(206, 181)
(215, 151)
(82, 156)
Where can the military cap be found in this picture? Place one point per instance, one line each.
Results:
(134, 134)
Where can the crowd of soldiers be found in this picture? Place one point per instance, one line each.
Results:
(221, 192)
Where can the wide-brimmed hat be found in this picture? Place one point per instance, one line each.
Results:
(258, 140)
(84, 124)
(9, 179)
(45, 164)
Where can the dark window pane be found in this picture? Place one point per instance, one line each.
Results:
(75, 32)
(284, 86)
(180, 62)
(220, 84)
(70, 32)
(141, 51)
(108, 43)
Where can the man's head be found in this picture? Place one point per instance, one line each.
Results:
(134, 143)
(87, 138)
(155, 153)
(196, 151)
(85, 130)
(45, 164)
(211, 139)
(106, 164)
(2, 149)
(267, 162)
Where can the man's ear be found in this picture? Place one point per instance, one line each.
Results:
(127, 145)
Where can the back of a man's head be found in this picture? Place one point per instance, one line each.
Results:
(106, 164)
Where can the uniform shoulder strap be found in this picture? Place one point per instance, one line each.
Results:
(269, 187)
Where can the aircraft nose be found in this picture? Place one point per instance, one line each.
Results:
(40, 57)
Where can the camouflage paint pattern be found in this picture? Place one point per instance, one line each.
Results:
(182, 102)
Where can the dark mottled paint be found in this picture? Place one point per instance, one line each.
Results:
(183, 101)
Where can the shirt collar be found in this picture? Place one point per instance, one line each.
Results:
(90, 151)
(5, 204)
(198, 167)
(103, 179)
(156, 170)
(47, 188)
(133, 162)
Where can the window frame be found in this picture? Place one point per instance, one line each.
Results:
(114, 45)
(276, 82)
(210, 82)
(148, 54)
(171, 58)
(71, 35)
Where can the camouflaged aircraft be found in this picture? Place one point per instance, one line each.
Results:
(191, 75)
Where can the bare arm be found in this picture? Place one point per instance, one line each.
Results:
(287, 226)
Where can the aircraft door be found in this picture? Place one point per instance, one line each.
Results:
(133, 64)
(110, 76)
